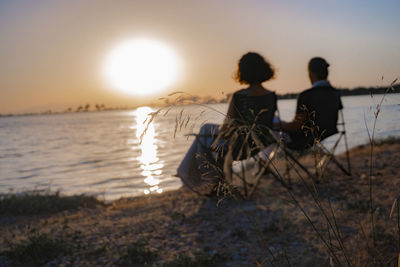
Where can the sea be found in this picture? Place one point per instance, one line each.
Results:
(114, 154)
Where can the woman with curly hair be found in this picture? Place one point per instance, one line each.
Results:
(245, 129)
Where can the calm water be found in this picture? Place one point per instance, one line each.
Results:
(100, 152)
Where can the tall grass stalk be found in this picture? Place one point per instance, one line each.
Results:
(332, 226)
(371, 138)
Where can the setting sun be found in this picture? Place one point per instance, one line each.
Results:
(141, 67)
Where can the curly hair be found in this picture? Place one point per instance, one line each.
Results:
(253, 69)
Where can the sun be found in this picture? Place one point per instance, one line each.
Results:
(141, 67)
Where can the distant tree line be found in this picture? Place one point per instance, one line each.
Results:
(86, 108)
(182, 100)
(371, 90)
(96, 107)
(355, 91)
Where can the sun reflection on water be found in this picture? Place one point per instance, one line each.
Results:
(150, 163)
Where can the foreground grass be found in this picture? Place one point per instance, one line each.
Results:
(37, 202)
(40, 249)
(36, 250)
(138, 254)
(200, 259)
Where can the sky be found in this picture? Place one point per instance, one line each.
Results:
(52, 53)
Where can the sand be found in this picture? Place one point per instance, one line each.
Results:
(268, 229)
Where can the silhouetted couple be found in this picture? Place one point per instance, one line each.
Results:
(247, 128)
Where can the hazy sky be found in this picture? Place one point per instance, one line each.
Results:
(52, 52)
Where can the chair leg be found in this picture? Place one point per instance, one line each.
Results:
(288, 185)
(334, 160)
(331, 157)
(315, 180)
(345, 142)
(289, 177)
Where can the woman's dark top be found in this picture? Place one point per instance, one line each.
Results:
(253, 117)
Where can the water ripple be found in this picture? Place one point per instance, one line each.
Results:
(26, 177)
(100, 152)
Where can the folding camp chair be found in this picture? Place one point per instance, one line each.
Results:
(210, 160)
(216, 163)
(322, 155)
(264, 164)
(329, 154)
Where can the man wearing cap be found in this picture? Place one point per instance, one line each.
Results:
(317, 109)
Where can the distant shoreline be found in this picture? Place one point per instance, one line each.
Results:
(356, 91)
(209, 100)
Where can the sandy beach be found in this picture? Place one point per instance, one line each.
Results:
(267, 230)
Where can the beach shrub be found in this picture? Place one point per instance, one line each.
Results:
(37, 250)
(37, 202)
(239, 232)
(388, 140)
(177, 216)
(200, 259)
(138, 254)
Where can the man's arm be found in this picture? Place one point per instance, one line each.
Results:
(294, 125)
(299, 118)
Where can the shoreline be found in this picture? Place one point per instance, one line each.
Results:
(264, 229)
(357, 91)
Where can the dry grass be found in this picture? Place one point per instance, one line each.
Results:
(321, 196)
(44, 202)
